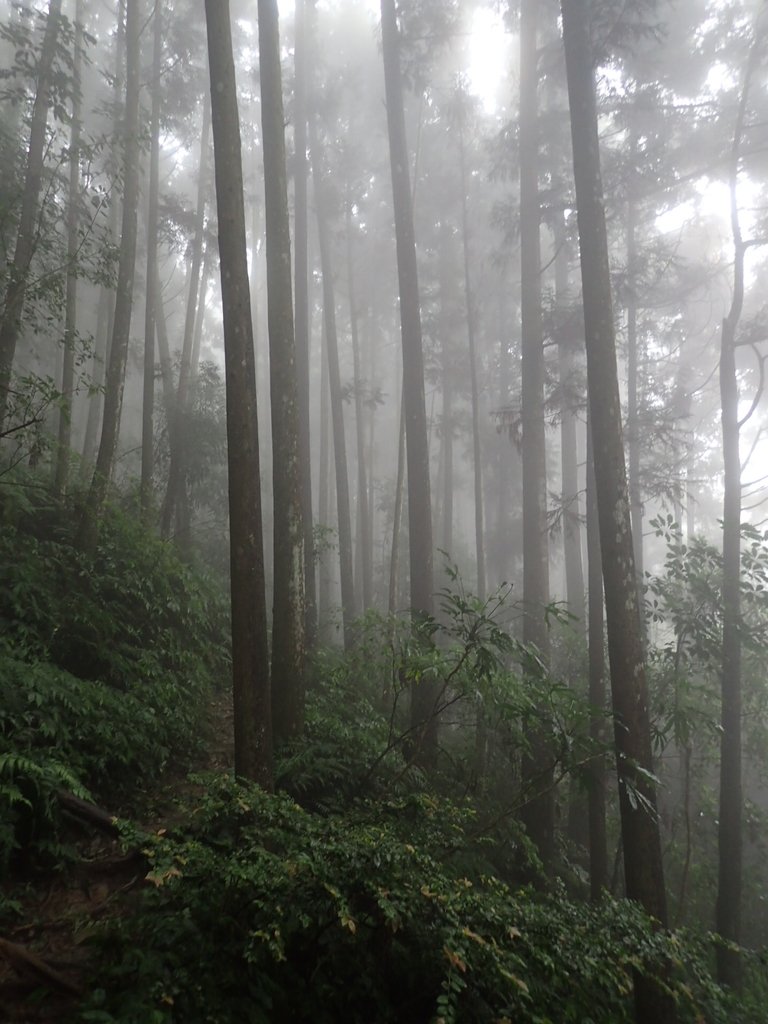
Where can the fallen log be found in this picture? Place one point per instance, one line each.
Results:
(88, 813)
(24, 961)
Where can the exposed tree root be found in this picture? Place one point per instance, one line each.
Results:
(24, 962)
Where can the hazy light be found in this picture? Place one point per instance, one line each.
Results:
(488, 57)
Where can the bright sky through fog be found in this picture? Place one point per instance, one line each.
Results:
(488, 57)
(488, 50)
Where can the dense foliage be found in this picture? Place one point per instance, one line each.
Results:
(260, 911)
(366, 889)
(105, 664)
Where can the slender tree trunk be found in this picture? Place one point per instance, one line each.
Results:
(730, 843)
(70, 315)
(598, 843)
(95, 400)
(728, 915)
(574, 569)
(446, 462)
(164, 353)
(364, 519)
(634, 763)
(633, 379)
(371, 448)
(200, 315)
(302, 319)
(18, 276)
(323, 492)
(150, 314)
(118, 354)
(537, 772)
(397, 513)
(474, 390)
(106, 310)
(288, 638)
(337, 403)
(424, 695)
(250, 656)
(690, 497)
(578, 816)
(176, 491)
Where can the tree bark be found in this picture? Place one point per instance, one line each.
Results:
(18, 276)
(596, 793)
(150, 313)
(569, 455)
(301, 314)
(288, 638)
(469, 302)
(323, 493)
(176, 490)
(397, 513)
(337, 404)
(538, 813)
(423, 694)
(63, 453)
(200, 315)
(730, 843)
(444, 524)
(118, 354)
(364, 543)
(634, 764)
(95, 399)
(633, 377)
(250, 655)
(105, 317)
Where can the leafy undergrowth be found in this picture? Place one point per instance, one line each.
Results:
(259, 911)
(106, 663)
(358, 893)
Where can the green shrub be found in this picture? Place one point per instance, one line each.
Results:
(106, 665)
(263, 912)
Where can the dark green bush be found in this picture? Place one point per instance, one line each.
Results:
(263, 912)
(132, 615)
(105, 664)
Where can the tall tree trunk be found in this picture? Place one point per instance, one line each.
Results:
(474, 390)
(150, 314)
(98, 366)
(105, 317)
(728, 913)
(288, 638)
(337, 402)
(598, 844)
(633, 376)
(176, 490)
(578, 816)
(730, 867)
(323, 493)
(397, 513)
(302, 319)
(250, 656)
(200, 315)
(18, 276)
(164, 353)
(424, 695)
(537, 772)
(70, 315)
(118, 354)
(446, 462)
(364, 540)
(574, 569)
(634, 763)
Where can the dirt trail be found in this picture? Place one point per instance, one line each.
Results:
(44, 952)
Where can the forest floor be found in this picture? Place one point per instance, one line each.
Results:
(45, 956)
